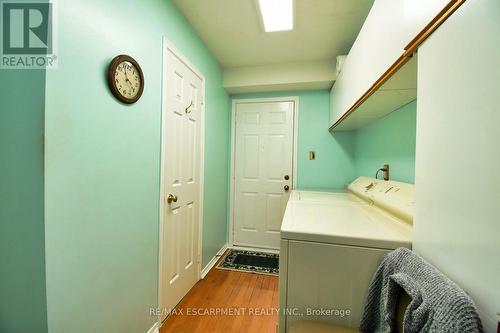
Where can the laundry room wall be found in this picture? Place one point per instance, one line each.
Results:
(102, 177)
(22, 254)
(343, 156)
(456, 224)
(333, 166)
(389, 140)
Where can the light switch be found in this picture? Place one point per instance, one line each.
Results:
(312, 155)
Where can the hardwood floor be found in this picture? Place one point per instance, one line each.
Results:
(229, 302)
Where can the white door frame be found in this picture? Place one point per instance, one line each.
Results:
(168, 46)
(295, 100)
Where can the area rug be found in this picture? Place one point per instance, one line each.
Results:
(250, 261)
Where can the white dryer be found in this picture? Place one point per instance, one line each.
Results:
(332, 243)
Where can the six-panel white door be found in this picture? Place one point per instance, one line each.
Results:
(263, 171)
(181, 141)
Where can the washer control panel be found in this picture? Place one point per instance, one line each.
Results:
(396, 197)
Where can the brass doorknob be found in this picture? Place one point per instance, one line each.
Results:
(286, 187)
(171, 198)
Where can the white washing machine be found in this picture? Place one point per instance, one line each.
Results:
(332, 243)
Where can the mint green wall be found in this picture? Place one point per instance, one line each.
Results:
(102, 164)
(22, 271)
(333, 167)
(389, 140)
(343, 156)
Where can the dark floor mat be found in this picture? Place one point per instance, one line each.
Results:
(250, 261)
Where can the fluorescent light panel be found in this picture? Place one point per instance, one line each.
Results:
(277, 14)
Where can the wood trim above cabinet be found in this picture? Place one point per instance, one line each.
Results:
(439, 19)
(381, 80)
(409, 49)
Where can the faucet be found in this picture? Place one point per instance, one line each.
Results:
(385, 170)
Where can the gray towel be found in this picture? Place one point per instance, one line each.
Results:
(438, 304)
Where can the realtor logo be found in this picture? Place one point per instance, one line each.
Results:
(27, 37)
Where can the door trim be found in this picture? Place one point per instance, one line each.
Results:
(168, 46)
(295, 100)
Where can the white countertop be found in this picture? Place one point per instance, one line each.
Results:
(342, 218)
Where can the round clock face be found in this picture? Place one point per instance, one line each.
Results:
(126, 79)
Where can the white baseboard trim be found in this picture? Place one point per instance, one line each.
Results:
(154, 329)
(213, 261)
(256, 249)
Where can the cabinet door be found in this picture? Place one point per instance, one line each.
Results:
(418, 13)
(389, 27)
(378, 45)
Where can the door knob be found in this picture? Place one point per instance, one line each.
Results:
(287, 177)
(171, 198)
(286, 188)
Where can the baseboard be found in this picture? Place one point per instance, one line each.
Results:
(212, 262)
(256, 249)
(154, 329)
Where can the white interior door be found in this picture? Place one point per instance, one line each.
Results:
(181, 186)
(263, 171)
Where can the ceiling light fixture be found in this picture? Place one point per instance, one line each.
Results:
(277, 15)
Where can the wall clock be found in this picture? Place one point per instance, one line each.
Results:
(125, 79)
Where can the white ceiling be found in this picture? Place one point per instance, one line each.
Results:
(234, 32)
